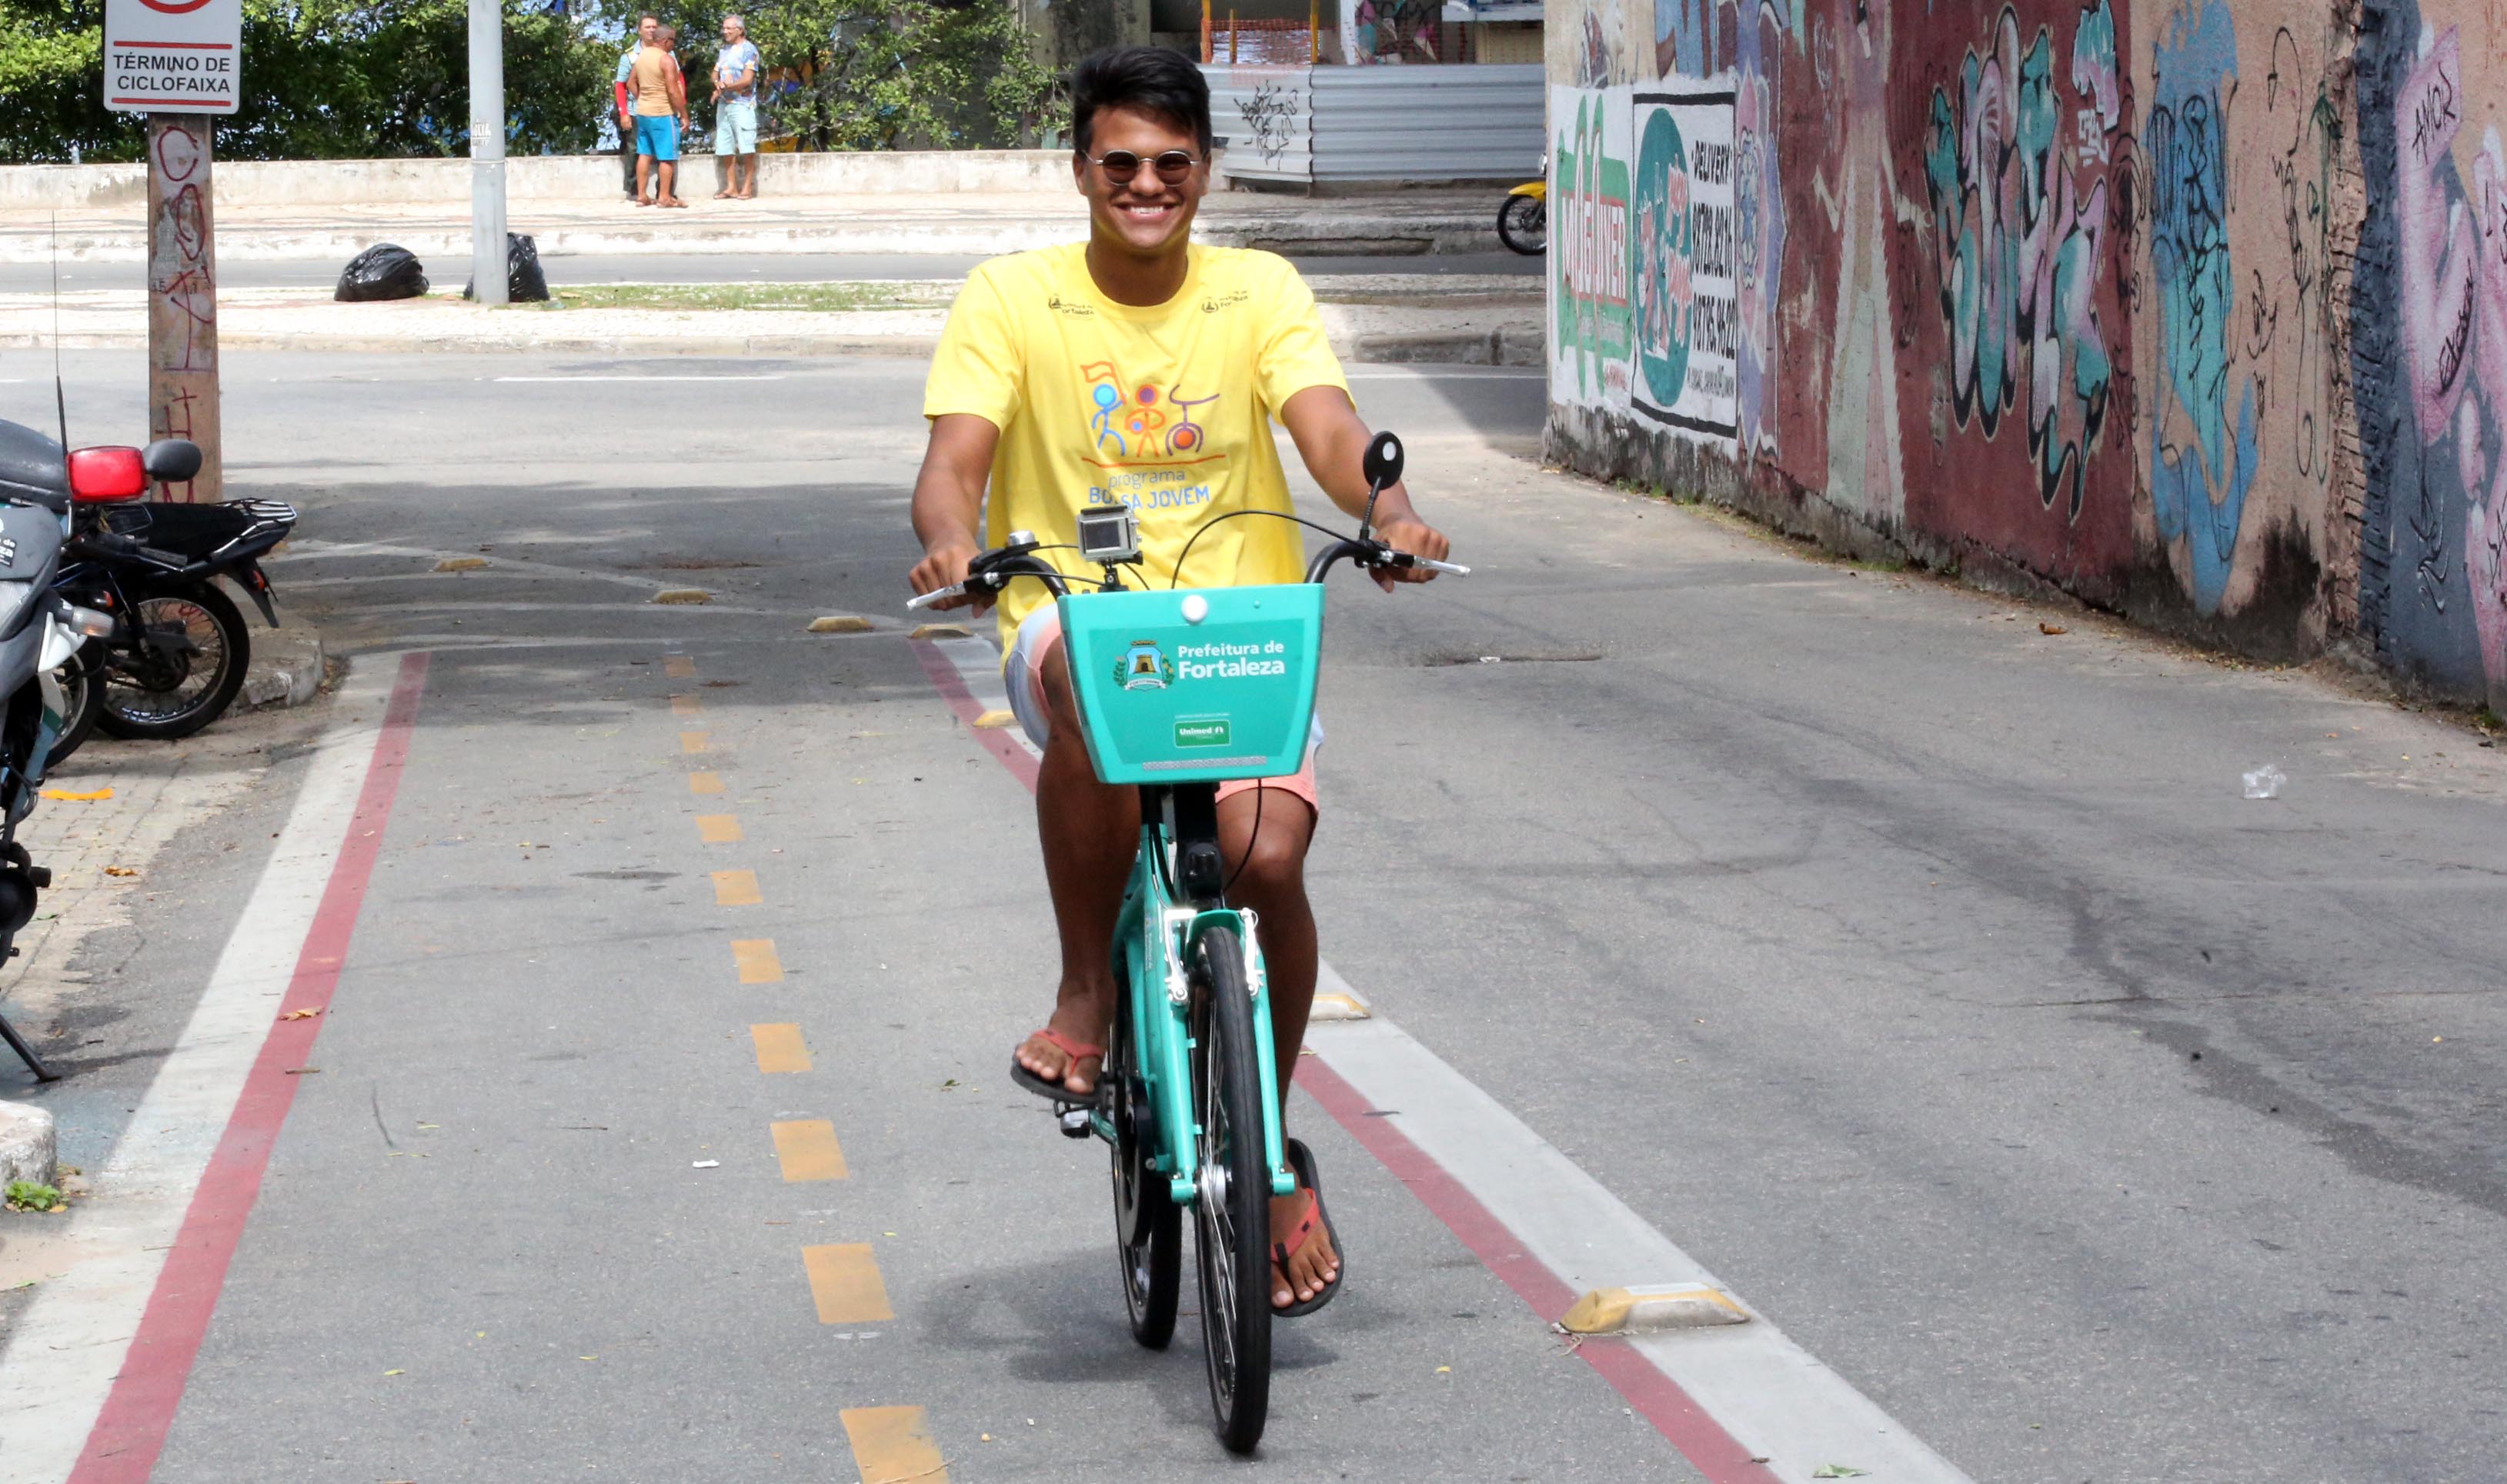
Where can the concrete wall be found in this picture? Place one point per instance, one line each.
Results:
(534, 177)
(2195, 308)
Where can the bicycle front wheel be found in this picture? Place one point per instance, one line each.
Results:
(1232, 1209)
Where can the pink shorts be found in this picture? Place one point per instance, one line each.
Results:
(1039, 634)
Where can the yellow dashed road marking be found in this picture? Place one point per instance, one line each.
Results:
(756, 960)
(685, 706)
(678, 666)
(704, 783)
(780, 1048)
(891, 1444)
(843, 1281)
(808, 1150)
(718, 829)
(735, 889)
(693, 741)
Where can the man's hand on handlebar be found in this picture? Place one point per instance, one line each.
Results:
(1409, 533)
(945, 566)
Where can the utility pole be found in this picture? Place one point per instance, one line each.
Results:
(488, 151)
(183, 298)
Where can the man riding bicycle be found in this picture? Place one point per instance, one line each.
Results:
(1143, 370)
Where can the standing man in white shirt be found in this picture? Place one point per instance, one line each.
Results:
(735, 108)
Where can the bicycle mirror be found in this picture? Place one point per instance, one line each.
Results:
(1383, 462)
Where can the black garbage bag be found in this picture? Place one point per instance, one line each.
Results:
(383, 270)
(524, 279)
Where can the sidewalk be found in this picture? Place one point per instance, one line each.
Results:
(1453, 319)
(1398, 224)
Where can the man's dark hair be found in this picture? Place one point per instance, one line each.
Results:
(648, 16)
(1151, 79)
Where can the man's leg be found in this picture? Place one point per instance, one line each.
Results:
(643, 176)
(748, 188)
(626, 157)
(1090, 832)
(1264, 834)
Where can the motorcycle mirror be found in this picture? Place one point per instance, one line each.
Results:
(172, 461)
(1383, 462)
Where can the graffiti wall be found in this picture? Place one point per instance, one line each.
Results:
(2195, 308)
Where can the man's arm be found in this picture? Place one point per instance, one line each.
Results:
(679, 91)
(621, 90)
(1332, 439)
(949, 502)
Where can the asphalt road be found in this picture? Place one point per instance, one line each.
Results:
(1922, 973)
(695, 268)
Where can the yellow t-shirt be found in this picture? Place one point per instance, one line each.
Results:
(1165, 408)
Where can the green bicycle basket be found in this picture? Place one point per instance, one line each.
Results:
(1196, 685)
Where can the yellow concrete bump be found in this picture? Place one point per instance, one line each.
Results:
(684, 595)
(694, 741)
(685, 705)
(845, 1284)
(758, 962)
(807, 1149)
(840, 623)
(718, 829)
(994, 721)
(1334, 1006)
(735, 889)
(678, 666)
(780, 1049)
(892, 1445)
(462, 563)
(704, 783)
(1653, 1307)
(941, 631)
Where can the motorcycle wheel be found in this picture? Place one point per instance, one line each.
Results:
(82, 701)
(150, 693)
(1523, 224)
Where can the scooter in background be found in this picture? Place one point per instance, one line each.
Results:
(1523, 218)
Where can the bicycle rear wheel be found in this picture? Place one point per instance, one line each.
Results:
(1148, 1225)
(1232, 1210)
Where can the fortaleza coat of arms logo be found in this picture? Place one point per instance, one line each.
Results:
(1145, 666)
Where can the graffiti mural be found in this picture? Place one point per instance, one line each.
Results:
(2017, 240)
(2203, 456)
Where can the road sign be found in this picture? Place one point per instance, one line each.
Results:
(173, 55)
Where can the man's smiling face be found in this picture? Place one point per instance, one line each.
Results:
(1144, 216)
(646, 28)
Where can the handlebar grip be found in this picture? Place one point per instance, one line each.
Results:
(1456, 568)
(937, 594)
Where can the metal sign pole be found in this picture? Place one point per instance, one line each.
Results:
(183, 298)
(488, 151)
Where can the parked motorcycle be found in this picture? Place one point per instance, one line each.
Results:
(39, 633)
(1523, 218)
(178, 650)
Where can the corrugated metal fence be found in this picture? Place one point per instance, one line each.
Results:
(1337, 124)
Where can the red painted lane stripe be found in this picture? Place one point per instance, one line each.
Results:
(1688, 1427)
(1699, 1437)
(952, 687)
(131, 1429)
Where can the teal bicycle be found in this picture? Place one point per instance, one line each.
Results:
(1180, 690)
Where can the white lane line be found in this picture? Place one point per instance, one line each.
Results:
(1768, 1393)
(765, 376)
(63, 1354)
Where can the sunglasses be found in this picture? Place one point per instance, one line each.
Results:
(1172, 167)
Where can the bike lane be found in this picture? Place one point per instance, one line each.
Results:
(655, 1126)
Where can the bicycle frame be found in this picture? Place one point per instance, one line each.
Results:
(1164, 909)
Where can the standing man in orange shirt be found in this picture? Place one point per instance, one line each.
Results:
(661, 106)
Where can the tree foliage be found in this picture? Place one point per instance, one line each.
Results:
(379, 79)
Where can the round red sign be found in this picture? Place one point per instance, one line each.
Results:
(174, 7)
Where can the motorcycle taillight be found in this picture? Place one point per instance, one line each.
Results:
(102, 476)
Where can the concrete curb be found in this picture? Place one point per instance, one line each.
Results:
(287, 667)
(27, 1150)
(1512, 345)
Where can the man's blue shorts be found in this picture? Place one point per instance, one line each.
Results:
(657, 135)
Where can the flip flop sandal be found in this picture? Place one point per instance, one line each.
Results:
(1077, 1051)
(1302, 1160)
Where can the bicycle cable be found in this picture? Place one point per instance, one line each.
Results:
(1174, 573)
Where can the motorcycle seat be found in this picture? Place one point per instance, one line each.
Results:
(30, 465)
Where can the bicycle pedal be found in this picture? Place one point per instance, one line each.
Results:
(1075, 1122)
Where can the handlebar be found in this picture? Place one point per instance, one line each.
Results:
(992, 571)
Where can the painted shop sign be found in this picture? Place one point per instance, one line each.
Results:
(1687, 311)
(1592, 336)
